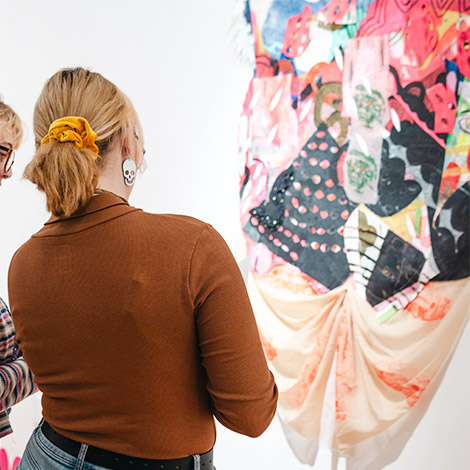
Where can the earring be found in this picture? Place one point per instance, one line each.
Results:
(129, 171)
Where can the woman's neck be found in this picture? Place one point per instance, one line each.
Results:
(115, 186)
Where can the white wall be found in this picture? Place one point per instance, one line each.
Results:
(173, 59)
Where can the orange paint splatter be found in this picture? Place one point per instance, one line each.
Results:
(297, 394)
(345, 371)
(404, 379)
(269, 349)
(429, 306)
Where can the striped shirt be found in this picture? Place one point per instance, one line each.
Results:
(16, 380)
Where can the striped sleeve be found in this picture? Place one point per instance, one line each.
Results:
(16, 383)
(8, 346)
(16, 380)
(5, 427)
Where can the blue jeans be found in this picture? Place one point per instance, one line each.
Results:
(41, 454)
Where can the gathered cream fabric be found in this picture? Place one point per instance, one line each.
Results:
(384, 374)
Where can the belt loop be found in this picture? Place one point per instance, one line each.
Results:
(81, 457)
(197, 462)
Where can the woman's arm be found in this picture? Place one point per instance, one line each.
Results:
(242, 389)
(16, 380)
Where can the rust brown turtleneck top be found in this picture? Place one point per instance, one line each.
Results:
(138, 329)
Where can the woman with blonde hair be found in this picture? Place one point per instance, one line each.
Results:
(137, 326)
(11, 133)
(16, 380)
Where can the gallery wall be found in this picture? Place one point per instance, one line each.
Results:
(175, 61)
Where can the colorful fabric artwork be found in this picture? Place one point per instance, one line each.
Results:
(355, 209)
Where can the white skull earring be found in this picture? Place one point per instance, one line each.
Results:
(129, 170)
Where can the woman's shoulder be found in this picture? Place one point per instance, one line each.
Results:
(182, 227)
(172, 220)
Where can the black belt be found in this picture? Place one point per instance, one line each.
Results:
(113, 460)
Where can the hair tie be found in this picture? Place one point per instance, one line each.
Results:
(72, 129)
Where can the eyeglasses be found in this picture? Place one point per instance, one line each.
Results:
(7, 157)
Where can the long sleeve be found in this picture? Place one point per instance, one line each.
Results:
(241, 387)
(16, 380)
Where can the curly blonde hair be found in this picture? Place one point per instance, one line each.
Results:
(9, 118)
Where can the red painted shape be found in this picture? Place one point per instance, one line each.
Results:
(336, 10)
(451, 176)
(297, 35)
(421, 35)
(445, 108)
(463, 50)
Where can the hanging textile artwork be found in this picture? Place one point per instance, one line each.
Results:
(355, 204)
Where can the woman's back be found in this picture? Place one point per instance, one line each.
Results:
(138, 328)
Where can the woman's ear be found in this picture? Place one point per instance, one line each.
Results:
(125, 145)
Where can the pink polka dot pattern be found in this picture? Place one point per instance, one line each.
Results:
(306, 210)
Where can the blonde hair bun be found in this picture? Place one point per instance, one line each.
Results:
(68, 175)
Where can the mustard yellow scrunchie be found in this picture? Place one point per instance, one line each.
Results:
(72, 129)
